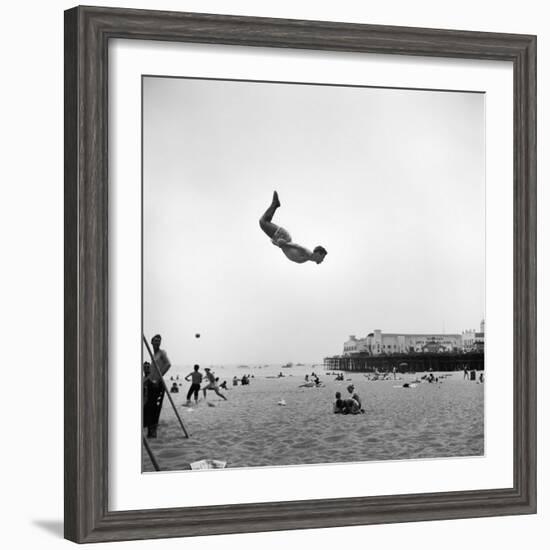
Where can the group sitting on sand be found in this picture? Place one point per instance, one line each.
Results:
(348, 406)
(314, 382)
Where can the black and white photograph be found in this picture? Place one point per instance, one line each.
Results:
(274, 275)
(313, 273)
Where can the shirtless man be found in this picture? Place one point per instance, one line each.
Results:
(196, 379)
(212, 384)
(155, 387)
(281, 237)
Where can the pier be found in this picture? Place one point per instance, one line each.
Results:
(406, 362)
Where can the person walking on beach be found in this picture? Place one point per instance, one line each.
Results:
(212, 384)
(465, 372)
(196, 379)
(154, 387)
(281, 237)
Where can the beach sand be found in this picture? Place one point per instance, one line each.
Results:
(250, 429)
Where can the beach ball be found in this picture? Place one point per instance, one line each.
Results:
(197, 335)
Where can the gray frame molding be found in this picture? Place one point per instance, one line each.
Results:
(87, 34)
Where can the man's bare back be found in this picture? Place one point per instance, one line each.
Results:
(281, 238)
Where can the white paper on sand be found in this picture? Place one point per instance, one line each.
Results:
(207, 464)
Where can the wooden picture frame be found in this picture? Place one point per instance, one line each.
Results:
(87, 34)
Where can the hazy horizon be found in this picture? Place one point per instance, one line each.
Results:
(390, 182)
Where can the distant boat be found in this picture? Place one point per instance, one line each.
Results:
(300, 364)
(287, 366)
(243, 367)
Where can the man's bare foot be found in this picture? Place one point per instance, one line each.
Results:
(276, 202)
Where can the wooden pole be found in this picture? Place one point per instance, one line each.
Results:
(150, 453)
(165, 387)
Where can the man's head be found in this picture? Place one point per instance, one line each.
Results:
(155, 341)
(351, 387)
(319, 254)
(146, 368)
(338, 395)
(196, 367)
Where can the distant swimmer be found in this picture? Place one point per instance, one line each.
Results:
(281, 237)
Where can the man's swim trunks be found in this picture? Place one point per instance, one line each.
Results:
(282, 234)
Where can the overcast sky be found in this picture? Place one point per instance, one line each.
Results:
(390, 182)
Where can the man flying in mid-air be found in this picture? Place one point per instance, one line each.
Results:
(281, 237)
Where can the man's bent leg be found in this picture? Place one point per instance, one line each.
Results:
(267, 226)
(221, 395)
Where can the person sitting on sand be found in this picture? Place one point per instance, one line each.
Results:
(338, 404)
(196, 379)
(174, 388)
(235, 381)
(212, 384)
(223, 385)
(281, 237)
(346, 406)
(355, 397)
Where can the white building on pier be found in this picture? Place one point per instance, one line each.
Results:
(385, 343)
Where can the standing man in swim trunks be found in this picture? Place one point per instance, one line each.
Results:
(212, 384)
(155, 388)
(281, 237)
(196, 379)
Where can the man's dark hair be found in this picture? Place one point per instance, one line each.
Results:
(196, 367)
(156, 337)
(320, 250)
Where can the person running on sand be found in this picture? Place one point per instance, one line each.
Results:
(196, 379)
(212, 384)
(281, 237)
